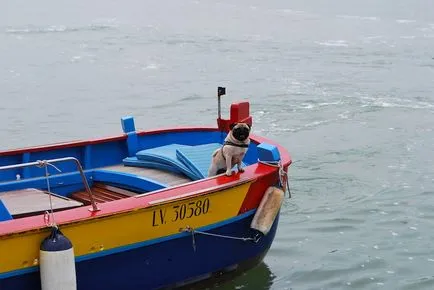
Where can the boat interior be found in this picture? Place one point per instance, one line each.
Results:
(112, 168)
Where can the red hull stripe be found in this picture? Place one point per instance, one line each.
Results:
(252, 173)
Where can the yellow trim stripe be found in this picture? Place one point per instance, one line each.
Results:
(21, 251)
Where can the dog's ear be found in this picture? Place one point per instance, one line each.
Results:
(231, 126)
(250, 126)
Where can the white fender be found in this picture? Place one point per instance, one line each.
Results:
(268, 209)
(57, 264)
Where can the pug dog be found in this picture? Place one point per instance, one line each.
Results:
(232, 152)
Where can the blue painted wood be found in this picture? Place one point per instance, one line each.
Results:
(65, 184)
(4, 213)
(65, 166)
(132, 143)
(127, 179)
(87, 164)
(268, 152)
(111, 153)
(128, 124)
(25, 173)
(57, 183)
(10, 174)
(186, 138)
(251, 154)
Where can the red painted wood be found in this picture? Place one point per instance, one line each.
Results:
(252, 173)
(257, 190)
(239, 112)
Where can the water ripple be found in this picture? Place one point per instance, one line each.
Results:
(58, 29)
(425, 282)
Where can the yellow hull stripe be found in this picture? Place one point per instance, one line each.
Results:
(21, 251)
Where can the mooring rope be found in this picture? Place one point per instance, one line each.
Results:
(282, 173)
(189, 229)
(48, 216)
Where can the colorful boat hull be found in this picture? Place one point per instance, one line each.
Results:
(166, 262)
(167, 236)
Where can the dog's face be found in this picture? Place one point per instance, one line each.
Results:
(240, 131)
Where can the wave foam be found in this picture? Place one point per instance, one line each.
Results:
(58, 29)
(395, 103)
(405, 21)
(337, 43)
(356, 17)
(151, 66)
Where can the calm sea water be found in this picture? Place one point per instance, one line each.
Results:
(347, 86)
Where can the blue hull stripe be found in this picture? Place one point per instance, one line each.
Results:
(134, 246)
(173, 262)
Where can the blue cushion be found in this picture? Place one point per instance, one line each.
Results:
(164, 154)
(198, 158)
(134, 161)
(193, 161)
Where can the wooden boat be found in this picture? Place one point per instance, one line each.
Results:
(138, 210)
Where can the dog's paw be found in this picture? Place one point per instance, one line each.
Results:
(228, 172)
(241, 169)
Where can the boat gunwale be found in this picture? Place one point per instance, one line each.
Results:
(192, 189)
(123, 136)
(135, 203)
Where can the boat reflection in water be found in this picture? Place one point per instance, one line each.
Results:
(258, 278)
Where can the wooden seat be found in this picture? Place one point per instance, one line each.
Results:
(102, 193)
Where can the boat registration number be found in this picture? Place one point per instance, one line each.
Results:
(180, 211)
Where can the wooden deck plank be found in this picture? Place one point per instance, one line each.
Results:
(162, 176)
(31, 200)
(113, 189)
(102, 193)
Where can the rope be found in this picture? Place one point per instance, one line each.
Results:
(48, 216)
(224, 236)
(44, 163)
(282, 173)
(47, 219)
(188, 229)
